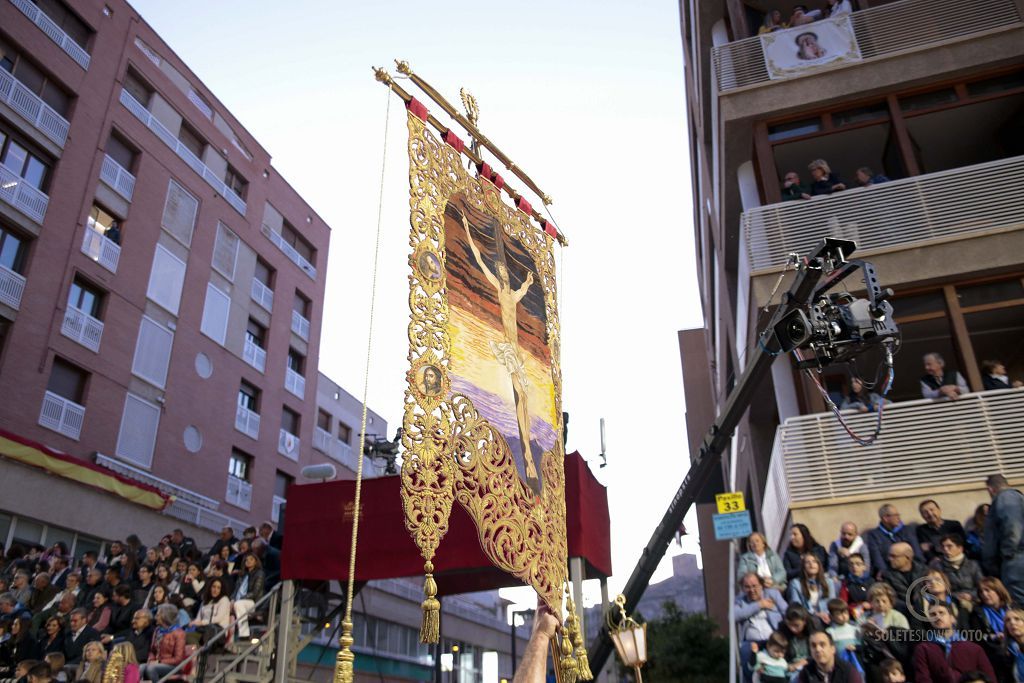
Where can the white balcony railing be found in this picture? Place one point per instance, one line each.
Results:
(12, 287)
(100, 248)
(81, 327)
(61, 415)
(32, 108)
(896, 27)
(216, 182)
(247, 422)
(295, 383)
(322, 440)
(289, 251)
(117, 177)
(923, 444)
(238, 493)
(300, 325)
(262, 295)
(288, 445)
(22, 196)
(912, 211)
(54, 32)
(254, 355)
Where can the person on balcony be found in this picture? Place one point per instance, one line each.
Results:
(993, 376)
(802, 16)
(890, 530)
(866, 177)
(839, 551)
(862, 400)
(824, 180)
(1003, 548)
(839, 8)
(801, 542)
(945, 656)
(934, 528)
(937, 382)
(792, 188)
(758, 611)
(772, 22)
(762, 560)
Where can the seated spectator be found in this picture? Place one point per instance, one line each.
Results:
(878, 625)
(20, 645)
(839, 551)
(993, 376)
(937, 382)
(855, 586)
(162, 575)
(862, 400)
(93, 583)
(53, 638)
(770, 664)
(122, 610)
(60, 569)
(21, 588)
(21, 670)
(248, 591)
(989, 618)
(865, 176)
(270, 536)
(963, 573)
(839, 8)
(792, 188)
(168, 648)
(772, 22)
(99, 616)
(824, 181)
(890, 530)
(975, 528)
(762, 560)
(192, 584)
(94, 657)
(55, 660)
(892, 671)
(801, 542)
(825, 665)
(10, 608)
(42, 592)
(79, 633)
(216, 606)
(65, 602)
(758, 611)
(797, 627)
(801, 15)
(152, 557)
(934, 528)
(845, 635)
(181, 544)
(945, 657)
(1014, 653)
(903, 574)
(225, 540)
(139, 635)
(144, 588)
(938, 593)
(813, 589)
(270, 560)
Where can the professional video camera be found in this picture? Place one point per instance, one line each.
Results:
(838, 326)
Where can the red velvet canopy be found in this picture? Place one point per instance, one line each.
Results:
(318, 529)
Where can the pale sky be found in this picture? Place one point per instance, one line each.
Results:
(586, 96)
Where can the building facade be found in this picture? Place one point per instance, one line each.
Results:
(926, 104)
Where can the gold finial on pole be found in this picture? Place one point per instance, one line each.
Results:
(470, 105)
(403, 67)
(382, 75)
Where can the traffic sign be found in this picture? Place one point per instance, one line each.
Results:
(730, 502)
(732, 525)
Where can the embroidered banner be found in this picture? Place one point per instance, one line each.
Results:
(804, 48)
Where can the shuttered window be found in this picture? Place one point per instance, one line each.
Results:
(179, 217)
(153, 352)
(166, 279)
(215, 314)
(137, 438)
(225, 251)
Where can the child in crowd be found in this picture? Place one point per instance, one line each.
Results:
(845, 635)
(855, 586)
(770, 663)
(892, 672)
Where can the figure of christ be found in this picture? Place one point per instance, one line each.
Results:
(507, 353)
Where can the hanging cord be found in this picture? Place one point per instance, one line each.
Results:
(343, 669)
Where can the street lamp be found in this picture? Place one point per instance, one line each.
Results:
(630, 639)
(455, 663)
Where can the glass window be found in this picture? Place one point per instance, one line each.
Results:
(5, 528)
(235, 182)
(296, 361)
(344, 432)
(792, 129)
(323, 420)
(263, 272)
(289, 420)
(238, 465)
(137, 88)
(248, 396)
(67, 380)
(225, 251)
(255, 333)
(105, 223)
(35, 172)
(66, 20)
(916, 304)
(120, 151)
(84, 544)
(12, 251)
(998, 335)
(990, 292)
(998, 84)
(30, 76)
(870, 112)
(926, 100)
(153, 352)
(188, 136)
(281, 483)
(27, 531)
(15, 157)
(55, 534)
(301, 304)
(919, 338)
(85, 298)
(166, 279)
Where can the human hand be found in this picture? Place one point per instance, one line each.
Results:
(766, 603)
(862, 408)
(805, 196)
(754, 647)
(768, 583)
(545, 622)
(949, 391)
(843, 552)
(1017, 384)
(838, 186)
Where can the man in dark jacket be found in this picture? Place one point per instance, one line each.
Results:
(226, 538)
(944, 657)
(79, 634)
(824, 666)
(122, 609)
(902, 574)
(890, 530)
(139, 634)
(934, 528)
(1003, 548)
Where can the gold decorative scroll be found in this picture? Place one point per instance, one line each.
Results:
(483, 413)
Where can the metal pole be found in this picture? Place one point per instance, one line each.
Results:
(440, 640)
(513, 645)
(284, 623)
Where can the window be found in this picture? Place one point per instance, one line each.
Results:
(344, 432)
(323, 420)
(240, 465)
(249, 397)
(12, 251)
(289, 420)
(256, 333)
(67, 380)
(34, 79)
(104, 222)
(291, 236)
(85, 297)
(282, 482)
(193, 141)
(296, 363)
(120, 151)
(153, 352)
(301, 304)
(264, 273)
(166, 279)
(136, 439)
(225, 251)
(67, 20)
(235, 182)
(137, 87)
(179, 217)
(215, 314)
(25, 164)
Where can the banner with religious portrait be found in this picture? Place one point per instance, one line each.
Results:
(803, 48)
(483, 415)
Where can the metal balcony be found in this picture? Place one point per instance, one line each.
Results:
(247, 422)
(81, 327)
(893, 28)
(32, 108)
(288, 445)
(262, 295)
(300, 325)
(22, 196)
(322, 440)
(53, 32)
(936, 207)
(117, 177)
(295, 383)
(62, 415)
(238, 493)
(100, 248)
(289, 251)
(12, 287)
(254, 355)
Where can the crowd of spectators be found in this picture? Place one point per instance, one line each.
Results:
(932, 601)
(802, 15)
(824, 181)
(61, 617)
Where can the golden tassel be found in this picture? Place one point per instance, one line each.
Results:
(430, 631)
(568, 663)
(343, 666)
(573, 633)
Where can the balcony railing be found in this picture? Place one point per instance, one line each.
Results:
(288, 445)
(12, 286)
(247, 422)
(100, 248)
(81, 327)
(195, 163)
(913, 211)
(54, 32)
(22, 196)
(32, 108)
(117, 177)
(923, 444)
(262, 295)
(289, 251)
(238, 493)
(61, 415)
(322, 440)
(300, 325)
(295, 383)
(896, 27)
(254, 355)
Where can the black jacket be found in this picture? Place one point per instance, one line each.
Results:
(73, 647)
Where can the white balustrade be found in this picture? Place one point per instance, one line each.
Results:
(32, 108)
(62, 415)
(288, 445)
(22, 196)
(300, 325)
(53, 31)
(262, 295)
(81, 327)
(289, 251)
(100, 248)
(117, 177)
(295, 383)
(254, 355)
(345, 454)
(12, 287)
(238, 493)
(322, 440)
(247, 422)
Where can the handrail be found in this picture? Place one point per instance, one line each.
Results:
(221, 633)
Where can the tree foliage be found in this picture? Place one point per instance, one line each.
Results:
(685, 647)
